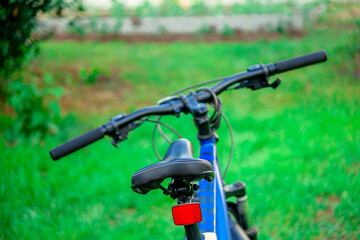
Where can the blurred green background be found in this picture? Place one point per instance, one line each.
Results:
(296, 147)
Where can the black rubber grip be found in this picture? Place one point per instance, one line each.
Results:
(76, 143)
(301, 61)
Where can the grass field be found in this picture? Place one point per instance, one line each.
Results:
(297, 148)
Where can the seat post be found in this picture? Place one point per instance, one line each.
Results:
(185, 194)
(193, 232)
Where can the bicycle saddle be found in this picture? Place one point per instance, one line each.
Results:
(178, 162)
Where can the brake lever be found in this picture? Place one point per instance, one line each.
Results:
(120, 135)
(262, 83)
(257, 84)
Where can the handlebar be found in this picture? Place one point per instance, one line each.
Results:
(77, 143)
(302, 61)
(175, 106)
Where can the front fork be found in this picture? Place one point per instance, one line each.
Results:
(241, 209)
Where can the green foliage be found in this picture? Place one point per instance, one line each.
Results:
(357, 23)
(104, 28)
(357, 32)
(118, 9)
(218, 9)
(162, 30)
(18, 20)
(348, 12)
(93, 24)
(119, 13)
(227, 31)
(199, 8)
(90, 77)
(254, 6)
(205, 29)
(118, 25)
(77, 26)
(146, 9)
(283, 26)
(36, 108)
(170, 8)
(37, 111)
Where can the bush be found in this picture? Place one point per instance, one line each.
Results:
(89, 77)
(17, 21)
(77, 26)
(162, 30)
(227, 31)
(199, 8)
(206, 29)
(118, 9)
(37, 111)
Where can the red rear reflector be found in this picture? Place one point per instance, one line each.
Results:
(187, 213)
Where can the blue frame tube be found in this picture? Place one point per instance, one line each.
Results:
(212, 197)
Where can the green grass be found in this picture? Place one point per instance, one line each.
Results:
(297, 148)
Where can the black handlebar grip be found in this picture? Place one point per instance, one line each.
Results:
(302, 61)
(77, 143)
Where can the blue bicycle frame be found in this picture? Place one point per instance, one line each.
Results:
(212, 197)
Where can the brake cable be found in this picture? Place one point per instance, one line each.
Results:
(158, 126)
(216, 104)
(215, 120)
(158, 123)
(199, 84)
(232, 144)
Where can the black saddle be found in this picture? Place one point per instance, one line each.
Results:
(178, 162)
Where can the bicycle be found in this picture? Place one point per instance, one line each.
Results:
(202, 207)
